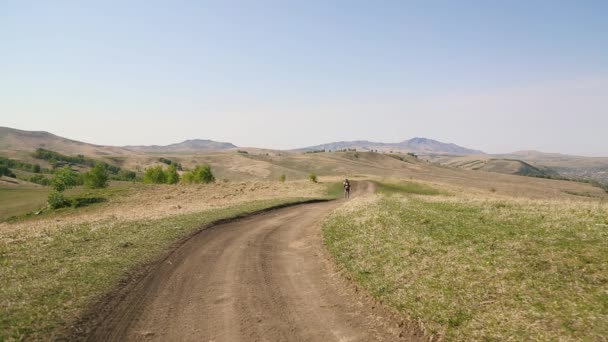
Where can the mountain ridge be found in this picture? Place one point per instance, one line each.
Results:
(416, 145)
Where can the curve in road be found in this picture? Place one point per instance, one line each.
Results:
(263, 278)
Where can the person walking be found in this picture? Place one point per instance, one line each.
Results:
(346, 185)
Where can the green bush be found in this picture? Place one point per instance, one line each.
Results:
(126, 175)
(97, 178)
(5, 171)
(64, 179)
(200, 174)
(39, 179)
(313, 177)
(155, 175)
(282, 178)
(84, 201)
(56, 200)
(172, 177)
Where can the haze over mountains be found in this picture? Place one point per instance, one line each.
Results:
(19, 144)
(416, 145)
(15, 139)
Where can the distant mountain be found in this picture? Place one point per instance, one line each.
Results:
(15, 140)
(415, 145)
(186, 146)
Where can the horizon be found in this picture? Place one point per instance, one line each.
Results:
(312, 145)
(494, 77)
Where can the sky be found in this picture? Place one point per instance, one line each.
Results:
(499, 76)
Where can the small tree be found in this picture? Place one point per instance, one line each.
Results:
(203, 174)
(97, 178)
(282, 178)
(155, 175)
(172, 175)
(64, 179)
(200, 174)
(313, 177)
(36, 168)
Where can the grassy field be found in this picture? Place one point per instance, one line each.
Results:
(21, 200)
(479, 267)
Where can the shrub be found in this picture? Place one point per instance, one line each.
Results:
(200, 174)
(84, 201)
(188, 177)
(155, 175)
(40, 179)
(313, 177)
(5, 171)
(64, 179)
(203, 174)
(172, 175)
(126, 175)
(282, 178)
(56, 200)
(97, 178)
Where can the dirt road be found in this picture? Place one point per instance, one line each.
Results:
(264, 278)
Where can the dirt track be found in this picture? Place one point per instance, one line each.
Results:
(264, 278)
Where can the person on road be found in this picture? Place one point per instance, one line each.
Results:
(346, 185)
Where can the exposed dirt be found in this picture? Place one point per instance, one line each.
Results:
(263, 278)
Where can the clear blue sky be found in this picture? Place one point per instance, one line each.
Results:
(494, 75)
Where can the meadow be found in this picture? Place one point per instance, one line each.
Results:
(478, 266)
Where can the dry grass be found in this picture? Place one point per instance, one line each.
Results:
(138, 201)
(481, 266)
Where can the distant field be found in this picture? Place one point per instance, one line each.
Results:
(479, 267)
(20, 200)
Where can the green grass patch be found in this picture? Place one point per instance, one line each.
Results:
(20, 200)
(408, 188)
(49, 278)
(475, 270)
(334, 190)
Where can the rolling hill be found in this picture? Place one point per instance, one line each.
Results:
(15, 142)
(267, 164)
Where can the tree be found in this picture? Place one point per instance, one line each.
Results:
(36, 168)
(204, 174)
(97, 178)
(172, 175)
(200, 174)
(282, 178)
(155, 175)
(64, 179)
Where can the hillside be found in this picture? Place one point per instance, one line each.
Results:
(506, 166)
(414, 145)
(16, 142)
(529, 163)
